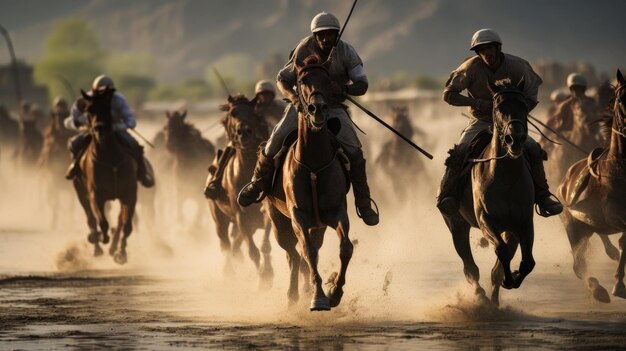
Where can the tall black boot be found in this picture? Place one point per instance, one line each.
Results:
(146, 178)
(543, 197)
(361, 190)
(213, 189)
(448, 198)
(261, 182)
(77, 146)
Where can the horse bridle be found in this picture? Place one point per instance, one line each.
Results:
(303, 103)
(620, 112)
(232, 136)
(502, 133)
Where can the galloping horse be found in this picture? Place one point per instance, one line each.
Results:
(245, 131)
(310, 190)
(499, 200)
(594, 190)
(192, 154)
(53, 161)
(108, 172)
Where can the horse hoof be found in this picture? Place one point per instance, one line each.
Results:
(598, 292)
(335, 294)
(619, 290)
(93, 237)
(517, 280)
(104, 238)
(480, 291)
(320, 304)
(97, 251)
(120, 258)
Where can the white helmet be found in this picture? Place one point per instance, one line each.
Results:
(558, 95)
(264, 85)
(576, 79)
(324, 21)
(101, 82)
(59, 100)
(485, 36)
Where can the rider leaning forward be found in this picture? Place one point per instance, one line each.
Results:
(123, 119)
(474, 75)
(348, 78)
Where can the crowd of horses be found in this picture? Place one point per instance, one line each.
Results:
(311, 183)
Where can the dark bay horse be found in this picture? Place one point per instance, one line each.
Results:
(245, 131)
(310, 192)
(499, 200)
(594, 191)
(192, 155)
(108, 173)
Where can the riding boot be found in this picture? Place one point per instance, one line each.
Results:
(447, 200)
(77, 146)
(543, 197)
(361, 190)
(261, 182)
(213, 189)
(145, 178)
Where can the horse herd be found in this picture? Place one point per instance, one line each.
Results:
(311, 183)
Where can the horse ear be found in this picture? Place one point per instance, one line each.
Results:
(620, 77)
(225, 107)
(168, 114)
(520, 84)
(183, 114)
(85, 95)
(493, 88)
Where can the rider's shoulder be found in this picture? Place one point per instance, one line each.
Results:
(469, 63)
(515, 60)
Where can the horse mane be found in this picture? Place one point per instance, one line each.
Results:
(313, 59)
(234, 100)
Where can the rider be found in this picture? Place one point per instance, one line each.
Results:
(474, 75)
(575, 104)
(346, 66)
(122, 120)
(267, 106)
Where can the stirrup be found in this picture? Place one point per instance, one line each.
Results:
(544, 213)
(376, 212)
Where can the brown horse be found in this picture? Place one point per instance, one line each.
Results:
(594, 191)
(310, 192)
(499, 200)
(9, 129)
(192, 155)
(108, 173)
(245, 131)
(53, 160)
(30, 144)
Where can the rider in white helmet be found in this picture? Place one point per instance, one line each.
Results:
(346, 72)
(267, 105)
(474, 75)
(123, 119)
(576, 106)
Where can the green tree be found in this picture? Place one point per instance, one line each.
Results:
(133, 74)
(73, 53)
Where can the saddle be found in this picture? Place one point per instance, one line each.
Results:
(289, 142)
(582, 181)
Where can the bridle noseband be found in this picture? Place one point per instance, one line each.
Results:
(620, 112)
(503, 132)
(302, 71)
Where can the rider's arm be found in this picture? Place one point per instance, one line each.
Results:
(359, 81)
(286, 80)
(532, 81)
(121, 108)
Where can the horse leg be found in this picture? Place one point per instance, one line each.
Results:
(246, 231)
(92, 222)
(619, 289)
(237, 240)
(267, 272)
(497, 273)
(302, 227)
(116, 233)
(526, 240)
(345, 254)
(286, 238)
(460, 230)
(609, 248)
(221, 227)
(494, 235)
(578, 235)
(126, 215)
(98, 206)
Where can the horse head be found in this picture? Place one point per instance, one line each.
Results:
(98, 110)
(242, 123)
(619, 122)
(510, 116)
(176, 130)
(313, 83)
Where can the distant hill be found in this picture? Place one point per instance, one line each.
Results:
(428, 36)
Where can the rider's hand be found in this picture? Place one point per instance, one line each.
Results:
(483, 105)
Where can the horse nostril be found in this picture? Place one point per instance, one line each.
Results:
(311, 108)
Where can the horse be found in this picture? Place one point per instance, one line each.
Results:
(30, 144)
(397, 165)
(191, 155)
(245, 131)
(9, 128)
(594, 190)
(53, 161)
(108, 173)
(499, 197)
(309, 193)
